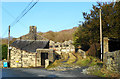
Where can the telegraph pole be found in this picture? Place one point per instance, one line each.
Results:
(101, 42)
(8, 57)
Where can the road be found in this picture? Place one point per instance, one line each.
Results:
(37, 72)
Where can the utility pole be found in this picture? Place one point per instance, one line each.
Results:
(8, 57)
(101, 42)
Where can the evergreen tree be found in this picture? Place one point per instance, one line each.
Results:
(89, 32)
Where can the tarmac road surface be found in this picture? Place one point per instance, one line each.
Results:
(12, 73)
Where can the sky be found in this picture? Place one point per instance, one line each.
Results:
(46, 16)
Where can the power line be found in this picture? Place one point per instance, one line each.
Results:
(16, 21)
(8, 12)
(22, 15)
(22, 11)
(11, 16)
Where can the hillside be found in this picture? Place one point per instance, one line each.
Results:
(55, 36)
(5, 40)
(60, 36)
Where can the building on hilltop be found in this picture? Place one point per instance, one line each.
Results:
(30, 50)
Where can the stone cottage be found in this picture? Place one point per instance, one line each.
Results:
(30, 50)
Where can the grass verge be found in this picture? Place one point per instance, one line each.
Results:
(95, 66)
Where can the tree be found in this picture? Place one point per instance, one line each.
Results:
(88, 33)
(4, 51)
(0, 52)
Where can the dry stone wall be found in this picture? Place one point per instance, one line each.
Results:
(20, 58)
(83, 54)
(1, 65)
(112, 60)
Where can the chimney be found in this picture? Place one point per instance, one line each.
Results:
(33, 29)
(32, 32)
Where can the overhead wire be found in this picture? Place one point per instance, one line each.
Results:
(16, 21)
(23, 13)
(11, 15)
(6, 11)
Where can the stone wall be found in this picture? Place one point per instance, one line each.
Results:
(20, 58)
(112, 60)
(1, 65)
(83, 54)
(65, 47)
(51, 54)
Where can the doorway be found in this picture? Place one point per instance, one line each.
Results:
(44, 56)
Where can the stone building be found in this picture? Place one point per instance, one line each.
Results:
(65, 47)
(30, 50)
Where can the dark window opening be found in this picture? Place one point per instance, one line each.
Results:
(66, 45)
(56, 46)
(114, 44)
(60, 45)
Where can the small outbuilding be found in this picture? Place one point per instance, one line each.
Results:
(30, 50)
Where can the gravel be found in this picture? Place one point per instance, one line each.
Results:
(64, 67)
(90, 69)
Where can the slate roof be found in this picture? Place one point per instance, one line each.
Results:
(30, 45)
